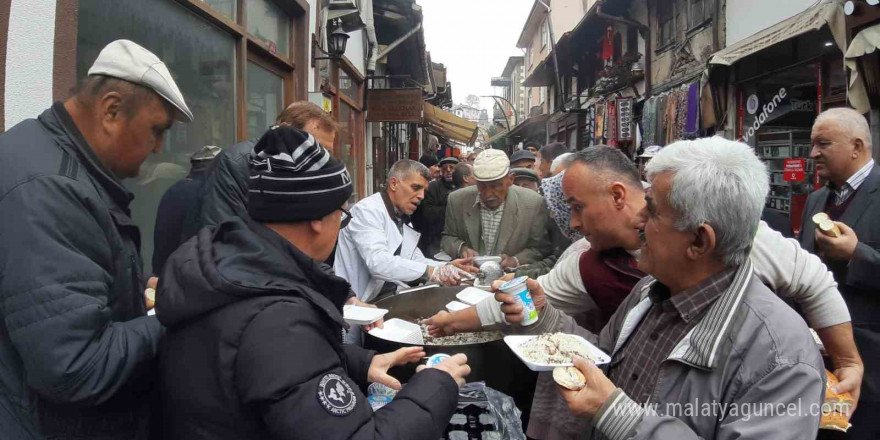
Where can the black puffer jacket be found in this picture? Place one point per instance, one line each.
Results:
(77, 350)
(254, 350)
(224, 191)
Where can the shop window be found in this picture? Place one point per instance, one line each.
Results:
(267, 22)
(618, 46)
(202, 59)
(348, 148)
(545, 34)
(227, 8)
(265, 99)
(699, 12)
(632, 39)
(665, 23)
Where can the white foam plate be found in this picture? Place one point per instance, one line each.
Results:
(362, 315)
(473, 295)
(479, 260)
(514, 343)
(455, 306)
(398, 330)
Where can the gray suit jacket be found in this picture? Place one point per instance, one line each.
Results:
(859, 280)
(523, 231)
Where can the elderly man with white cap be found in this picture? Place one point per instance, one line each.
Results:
(496, 218)
(77, 347)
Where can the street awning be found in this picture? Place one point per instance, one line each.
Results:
(865, 43)
(828, 12)
(448, 125)
(497, 136)
(530, 125)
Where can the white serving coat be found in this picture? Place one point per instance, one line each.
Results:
(365, 251)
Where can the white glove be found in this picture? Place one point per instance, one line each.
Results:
(447, 275)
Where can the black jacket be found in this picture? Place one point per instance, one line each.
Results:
(176, 216)
(430, 218)
(224, 191)
(76, 346)
(254, 349)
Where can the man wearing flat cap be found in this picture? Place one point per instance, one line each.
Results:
(525, 178)
(430, 217)
(496, 218)
(77, 346)
(522, 159)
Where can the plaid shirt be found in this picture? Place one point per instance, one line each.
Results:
(635, 367)
(852, 184)
(490, 221)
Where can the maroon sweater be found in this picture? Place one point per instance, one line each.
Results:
(608, 277)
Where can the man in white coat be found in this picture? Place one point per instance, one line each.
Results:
(378, 251)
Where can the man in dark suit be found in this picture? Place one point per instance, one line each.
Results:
(841, 142)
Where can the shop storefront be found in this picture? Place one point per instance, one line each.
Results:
(233, 60)
(782, 78)
(343, 85)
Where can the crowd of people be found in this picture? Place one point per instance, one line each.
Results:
(667, 266)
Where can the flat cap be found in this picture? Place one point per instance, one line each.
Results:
(524, 173)
(522, 155)
(448, 159)
(651, 151)
(491, 165)
(207, 152)
(126, 60)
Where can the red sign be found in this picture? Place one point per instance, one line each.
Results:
(794, 170)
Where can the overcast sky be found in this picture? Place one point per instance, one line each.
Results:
(473, 39)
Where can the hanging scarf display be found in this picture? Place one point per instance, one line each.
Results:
(648, 120)
(611, 124)
(660, 119)
(681, 112)
(600, 124)
(693, 109)
(625, 119)
(669, 119)
(589, 127)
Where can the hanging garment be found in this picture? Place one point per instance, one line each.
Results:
(611, 124)
(707, 108)
(608, 45)
(589, 127)
(648, 120)
(639, 138)
(600, 124)
(669, 119)
(681, 112)
(692, 126)
(660, 121)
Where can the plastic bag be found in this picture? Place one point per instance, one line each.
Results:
(486, 414)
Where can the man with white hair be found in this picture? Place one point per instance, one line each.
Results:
(841, 142)
(702, 328)
(560, 163)
(378, 251)
(605, 193)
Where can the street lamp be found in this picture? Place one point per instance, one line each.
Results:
(337, 41)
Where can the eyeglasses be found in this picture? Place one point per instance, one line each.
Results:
(346, 218)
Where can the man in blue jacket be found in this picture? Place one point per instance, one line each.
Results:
(76, 347)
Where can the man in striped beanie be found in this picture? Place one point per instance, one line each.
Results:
(246, 302)
(293, 178)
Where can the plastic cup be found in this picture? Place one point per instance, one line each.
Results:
(520, 292)
(436, 359)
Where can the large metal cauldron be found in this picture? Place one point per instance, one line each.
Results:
(492, 362)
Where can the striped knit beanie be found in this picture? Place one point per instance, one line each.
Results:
(293, 178)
